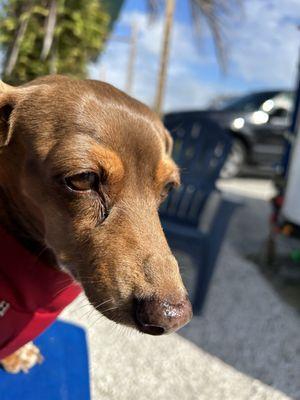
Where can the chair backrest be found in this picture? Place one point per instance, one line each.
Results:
(200, 149)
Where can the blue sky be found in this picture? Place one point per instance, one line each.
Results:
(262, 46)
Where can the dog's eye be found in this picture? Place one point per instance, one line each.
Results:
(83, 182)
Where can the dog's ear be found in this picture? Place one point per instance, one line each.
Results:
(7, 103)
(169, 143)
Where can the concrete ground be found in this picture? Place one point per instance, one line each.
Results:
(246, 323)
(247, 338)
(248, 187)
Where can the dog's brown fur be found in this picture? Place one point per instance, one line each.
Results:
(56, 127)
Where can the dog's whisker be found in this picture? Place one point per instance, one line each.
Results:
(97, 306)
(63, 284)
(109, 309)
(101, 304)
(80, 301)
(62, 289)
(125, 331)
(44, 248)
(100, 316)
(101, 311)
(74, 309)
(88, 313)
(96, 321)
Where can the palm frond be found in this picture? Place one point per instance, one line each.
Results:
(154, 8)
(207, 10)
(214, 14)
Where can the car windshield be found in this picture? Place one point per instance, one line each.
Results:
(251, 102)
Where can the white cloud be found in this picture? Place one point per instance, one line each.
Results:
(263, 52)
(184, 57)
(265, 44)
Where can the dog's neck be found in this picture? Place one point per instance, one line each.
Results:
(17, 215)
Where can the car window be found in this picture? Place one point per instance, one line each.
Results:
(284, 100)
(249, 103)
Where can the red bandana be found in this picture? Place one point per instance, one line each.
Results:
(32, 295)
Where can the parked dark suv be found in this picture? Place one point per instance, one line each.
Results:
(257, 122)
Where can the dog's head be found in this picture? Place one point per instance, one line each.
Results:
(94, 166)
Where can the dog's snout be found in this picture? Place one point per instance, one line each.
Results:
(156, 317)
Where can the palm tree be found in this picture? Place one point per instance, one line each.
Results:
(211, 11)
(169, 16)
(47, 36)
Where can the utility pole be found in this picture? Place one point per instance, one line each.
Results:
(102, 73)
(131, 58)
(160, 90)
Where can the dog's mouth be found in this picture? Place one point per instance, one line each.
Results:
(125, 312)
(130, 316)
(150, 314)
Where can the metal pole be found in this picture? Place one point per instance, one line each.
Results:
(169, 17)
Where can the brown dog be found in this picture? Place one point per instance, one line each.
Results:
(83, 170)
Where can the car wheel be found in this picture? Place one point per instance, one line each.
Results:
(235, 160)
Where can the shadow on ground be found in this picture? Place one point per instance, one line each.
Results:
(250, 320)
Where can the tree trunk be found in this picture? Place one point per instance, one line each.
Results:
(131, 59)
(49, 28)
(14, 53)
(170, 8)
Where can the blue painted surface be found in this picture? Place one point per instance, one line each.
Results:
(64, 374)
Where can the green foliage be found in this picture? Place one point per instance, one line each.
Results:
(78, 37)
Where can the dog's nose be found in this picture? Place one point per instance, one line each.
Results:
(156, 317)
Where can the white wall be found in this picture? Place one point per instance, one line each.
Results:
(291, 206)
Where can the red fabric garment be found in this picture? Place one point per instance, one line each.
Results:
(32, 294)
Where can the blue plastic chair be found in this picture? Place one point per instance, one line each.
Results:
(200, 149)
(64, 374)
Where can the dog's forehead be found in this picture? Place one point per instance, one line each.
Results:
(120, 123)
(74, 115)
